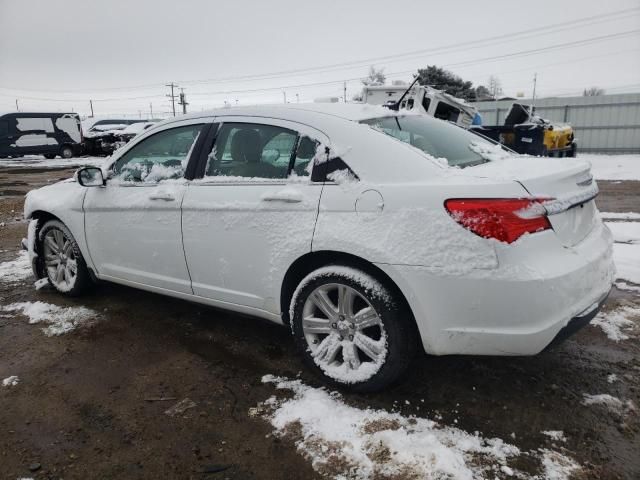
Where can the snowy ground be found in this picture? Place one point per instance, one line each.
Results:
(613, 167)
(33, 161)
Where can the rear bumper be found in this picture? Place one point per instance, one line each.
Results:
(539, 289)
(578, 322)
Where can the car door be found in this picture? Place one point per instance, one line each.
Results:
(133, 224)
(253, 211)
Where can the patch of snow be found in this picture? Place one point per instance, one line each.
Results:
(620, 216)
(612, 378)
(17, 270)
(627, 287)
(625, 232)
(613, 167)
(557, 466)
(31, 240)
(489, 151)
(30, 161)
(11, 381)
(614, 404)
(342, 441)
(557, 435)
(627, 260)
(59, 320)
(41, 283)
(614, 322)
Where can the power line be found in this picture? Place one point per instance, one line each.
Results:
(479, 43)
(331, 82)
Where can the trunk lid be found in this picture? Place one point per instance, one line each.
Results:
(568, 183)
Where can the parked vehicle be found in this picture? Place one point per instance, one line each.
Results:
(344, 222)
(106, 136)
(530, 134)
(48, 134)
(422, 99)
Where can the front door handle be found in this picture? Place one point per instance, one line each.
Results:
(167, 197)
(287, 195)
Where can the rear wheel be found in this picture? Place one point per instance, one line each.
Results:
(66, 151)
(351, 330)
(63, 262)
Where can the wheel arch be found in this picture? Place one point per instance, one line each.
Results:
(311, 261)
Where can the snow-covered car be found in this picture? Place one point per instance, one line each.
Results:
(105, 136)
(372, 234)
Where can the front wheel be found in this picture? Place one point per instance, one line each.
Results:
(63, 262)
(351, 330)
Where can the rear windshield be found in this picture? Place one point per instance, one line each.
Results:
(435, 137)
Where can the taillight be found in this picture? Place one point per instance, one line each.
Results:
(505, 219)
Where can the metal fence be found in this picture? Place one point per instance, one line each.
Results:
(603, 124)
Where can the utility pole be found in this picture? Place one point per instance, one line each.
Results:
(297, 98)
(17, 108)
(183, 101)
(172, 97)
(91, 105)
(150, 110)
(284, 95)
(345, 91)
(533, 99)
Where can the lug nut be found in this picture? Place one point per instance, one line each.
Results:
(334, 325)
(341, 317)
(351, 337)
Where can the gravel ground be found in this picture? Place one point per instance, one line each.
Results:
(92, 403)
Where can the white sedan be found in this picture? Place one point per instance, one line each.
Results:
(373, 234)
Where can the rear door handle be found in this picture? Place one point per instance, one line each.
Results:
(287, 195)
(167, 197)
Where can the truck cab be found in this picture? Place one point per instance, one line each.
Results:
(423, 99)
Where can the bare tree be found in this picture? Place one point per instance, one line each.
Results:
(593, 92)
(375, 76)
(495, 86)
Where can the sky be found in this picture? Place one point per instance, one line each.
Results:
(57, 55)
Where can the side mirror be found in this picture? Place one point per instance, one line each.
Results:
(90, 177)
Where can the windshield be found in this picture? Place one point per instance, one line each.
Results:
(434, 137)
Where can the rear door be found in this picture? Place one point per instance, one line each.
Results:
(253, 212)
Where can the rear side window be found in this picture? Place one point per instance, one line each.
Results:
(446, 112)
(259, 151)
(434, 137)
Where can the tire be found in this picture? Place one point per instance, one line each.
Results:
(58, 263)
(66, 151)
(333, 344)
(50, 156)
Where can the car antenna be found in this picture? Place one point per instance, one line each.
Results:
(396, 106)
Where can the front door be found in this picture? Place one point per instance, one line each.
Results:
(133, 225)
(253, 212)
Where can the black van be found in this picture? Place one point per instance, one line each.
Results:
(47, 134)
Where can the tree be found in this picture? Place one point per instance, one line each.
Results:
(483, 93)
(375, 77)
(593, 92)
(447, 81)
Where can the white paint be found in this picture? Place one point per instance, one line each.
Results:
(11, 381)
(71, 126)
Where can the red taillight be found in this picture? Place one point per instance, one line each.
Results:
(505, 219)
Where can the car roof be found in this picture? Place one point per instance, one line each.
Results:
(354, 112)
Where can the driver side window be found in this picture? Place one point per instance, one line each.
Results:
(160, 157)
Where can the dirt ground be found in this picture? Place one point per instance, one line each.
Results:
(90, 404)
